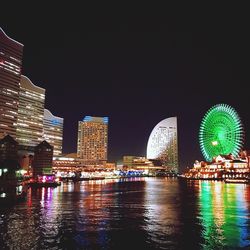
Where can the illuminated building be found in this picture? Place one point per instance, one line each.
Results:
(53, 131)
(25, 157)
(11, 53)
(163, 145)
(43, 157)
(221, 167)
(30, 113)
(110, 165)
(136, 162)
(66, 164)
(245, 154)
(92, 144)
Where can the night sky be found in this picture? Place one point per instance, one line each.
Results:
(136, 67)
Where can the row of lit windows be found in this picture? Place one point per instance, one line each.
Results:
(32, 94)
(11, 57)
(38, 117)
(12, 91)
(10, 70)
(53, 137)
(52, 128)
(10, 66)
(28, 121)
(10, 116)
(29, 131)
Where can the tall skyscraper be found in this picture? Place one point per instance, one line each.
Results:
(30, 113)
(92, 144)
(163, 144)
(11, 53)
(53, 131)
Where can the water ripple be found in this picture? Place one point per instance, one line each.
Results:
(148, 213)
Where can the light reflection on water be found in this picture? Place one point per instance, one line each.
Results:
(224, 212)
(152, 213)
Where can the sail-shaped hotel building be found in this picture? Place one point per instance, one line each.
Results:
(163, 144)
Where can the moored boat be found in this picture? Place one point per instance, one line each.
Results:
(46, 180)
(240, 181)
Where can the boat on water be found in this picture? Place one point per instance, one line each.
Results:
(92, 178)
(183, 177)
(239, 181)
(112, 177)
(46, 180)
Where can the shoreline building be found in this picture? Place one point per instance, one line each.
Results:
(67, 163)
(11, 53)
(30, 113)
(136, 162)
(53, 131)
(163, 144)
(221, 167)
(8, 157)
(92, 143)
(8, 149)
(43, 158)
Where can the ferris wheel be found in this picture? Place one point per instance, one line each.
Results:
(221, 132)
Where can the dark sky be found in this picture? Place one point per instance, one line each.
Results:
(137, 67)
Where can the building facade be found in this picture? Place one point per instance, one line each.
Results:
(163, 144)
(43, 157)
(53, 131)
(8, 148)
(221, 167)
(136, 162)
(30, 113)
(92, 144)
(8, 157)
(11, 53)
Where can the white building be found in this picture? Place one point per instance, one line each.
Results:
(30, 113)
(163, 144)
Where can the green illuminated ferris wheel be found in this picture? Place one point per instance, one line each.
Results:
(221, 132)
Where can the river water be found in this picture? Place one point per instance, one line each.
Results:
(135, 213)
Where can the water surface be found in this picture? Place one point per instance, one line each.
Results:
(135, 213)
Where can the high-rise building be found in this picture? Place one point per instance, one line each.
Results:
(11, 53)
(30, 113)
(92, 144)
(163, 144)
(53, 131)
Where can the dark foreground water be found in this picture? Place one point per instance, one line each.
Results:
(139, 213)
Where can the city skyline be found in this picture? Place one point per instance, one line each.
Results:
(137, 73)
(124, 127)
(22, 112)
